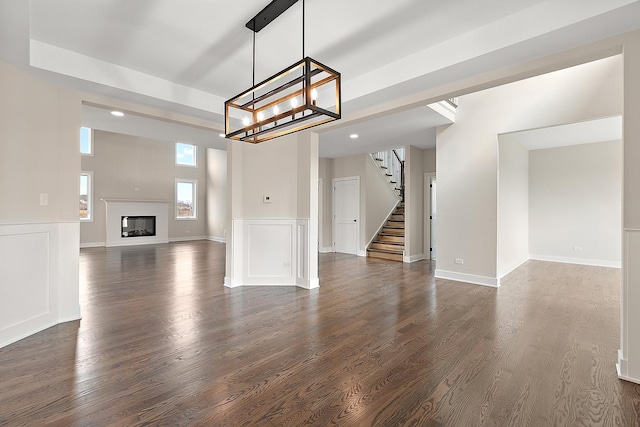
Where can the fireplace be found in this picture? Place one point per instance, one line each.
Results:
(146, 220)
(138, 226)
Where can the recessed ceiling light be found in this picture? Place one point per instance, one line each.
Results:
(353, 136)
(117, 113)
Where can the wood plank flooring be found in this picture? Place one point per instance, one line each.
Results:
(381, 343)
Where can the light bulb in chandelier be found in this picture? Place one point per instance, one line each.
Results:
(276, 110)
(294, 104)
(314, 96)
(245, 123)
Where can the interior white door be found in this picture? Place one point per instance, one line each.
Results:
(346, 215)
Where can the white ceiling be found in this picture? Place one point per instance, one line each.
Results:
(159, 130)
(389, 131)
(189, 57)
(587, 132)
(204, 44)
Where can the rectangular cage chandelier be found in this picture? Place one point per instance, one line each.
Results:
(302, 96)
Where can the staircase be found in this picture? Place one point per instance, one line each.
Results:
(389, 243)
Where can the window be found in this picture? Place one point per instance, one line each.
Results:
(86, 202)
(185, 154)
(186, 194)
(86, 142)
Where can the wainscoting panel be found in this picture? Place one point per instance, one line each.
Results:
(38, 278)
(24, 273)
(302, 251)
(270, 252)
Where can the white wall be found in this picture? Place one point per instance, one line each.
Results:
(325, 175)
(216, 220)
(39, 155)
(271, 170)
(414, 204)
(467, 160)
(513, 206)
(130, 167)
(575, 197)
(429, 159)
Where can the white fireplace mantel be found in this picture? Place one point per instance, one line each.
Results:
(117, 208)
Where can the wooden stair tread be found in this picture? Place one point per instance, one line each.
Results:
(385, 251)
(387, 242)
(396, 239)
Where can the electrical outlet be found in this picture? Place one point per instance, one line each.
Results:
(44, 199)
(459, 261)
(577, 249)
(266, 199)
(286, 264)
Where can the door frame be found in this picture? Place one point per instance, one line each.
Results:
(333, 213)
(427, 215)
(320, 213)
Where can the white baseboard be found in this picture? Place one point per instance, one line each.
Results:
(622, 367)
(513, 267)
(361, 253)
(92, 245)
(580, 261)
(230, 283)
(325, 250)
(311, 284)
(186, 239)
(412, 258)
(468, 278)
(23, 335)
(217, 239)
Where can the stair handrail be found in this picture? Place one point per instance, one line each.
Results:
(401, 175)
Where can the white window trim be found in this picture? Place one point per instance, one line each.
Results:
(89, 195)
(195, 199)
(195, 155)
(90, 154)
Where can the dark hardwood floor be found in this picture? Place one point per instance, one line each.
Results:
(162, 342)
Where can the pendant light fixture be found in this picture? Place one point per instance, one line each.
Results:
(301, 96)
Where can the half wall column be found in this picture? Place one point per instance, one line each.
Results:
(629, 353)
(272, 204)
